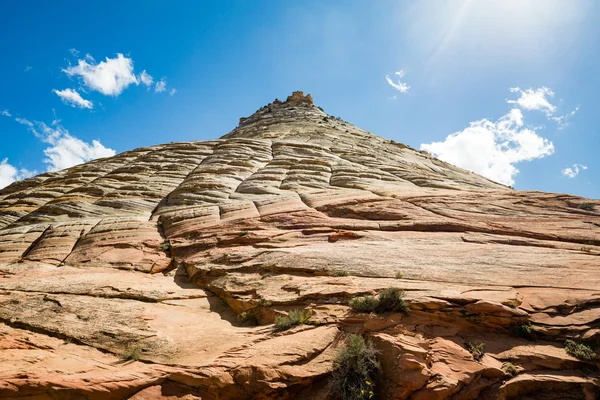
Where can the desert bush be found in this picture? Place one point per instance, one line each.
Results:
(510, 368)
(388, 300)
(354, 370)
(131, 353)
(476, 349)
(365, 304)
(525, 331)
(164, 246)
(294, 318)
(513, 303)
(587, 206)
(391, 300)
(399, 275)
(340, 272)
(579, 350)
(250, 317)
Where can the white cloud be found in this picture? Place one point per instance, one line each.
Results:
(537, 99)
(563, 120)
(108, 77)
(492, 148)
(26, 122)
(399, 86)
(161, 86)
(66, 150)
(146, 78)
(73, 98)
(28, 68)
(573, 171)
(5, 113)
(172, 92)
(9, 174)
(74, 52)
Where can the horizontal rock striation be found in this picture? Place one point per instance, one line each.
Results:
(185, 253)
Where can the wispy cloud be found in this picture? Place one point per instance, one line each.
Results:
(28, 68)
(5, 113)
(399, 86)
(74, 52)
(10, 174)
(573, 171)
(146, 78)
(172, 92)
(108, 77)
(539, 100)
(65, 150)
(73, 98)
(492, 148)
(563, 120)
(161, 86)
(534, 99)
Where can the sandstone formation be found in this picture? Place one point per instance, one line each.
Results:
(173, 250)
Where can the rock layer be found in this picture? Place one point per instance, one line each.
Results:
(171, 250)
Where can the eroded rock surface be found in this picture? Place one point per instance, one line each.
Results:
(174, 249)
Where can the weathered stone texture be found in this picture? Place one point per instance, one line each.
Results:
(165, 247)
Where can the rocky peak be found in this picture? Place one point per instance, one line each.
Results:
(296, 107)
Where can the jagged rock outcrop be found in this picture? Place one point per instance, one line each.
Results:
(171, 250)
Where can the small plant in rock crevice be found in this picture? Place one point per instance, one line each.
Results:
(132, 353)
(510, 368)
(399, 275)
(476, 350)
(354, 370)
(250, 317)
(388, 300)
(525, 331)
(294, 318)
(579, 350)
(364, 304)
(340, 272)
(391, 300)
(587, 206)
(164, 246)
(513, 303)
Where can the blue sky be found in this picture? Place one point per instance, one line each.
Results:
(504, 88)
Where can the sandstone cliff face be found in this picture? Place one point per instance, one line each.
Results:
(173, 249)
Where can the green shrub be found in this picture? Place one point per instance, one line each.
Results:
(510, 368)
(164, 246)
(391, 300)
(354, 370)
(513, 303)
(579, 350)
(587, 206)
(250, 317)
(399, 275)
(365, 304)
(340, 272)
(242, 233)
(294, 318)
(525, 331)
(388, 300)
(131, 353)
(476, 349)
